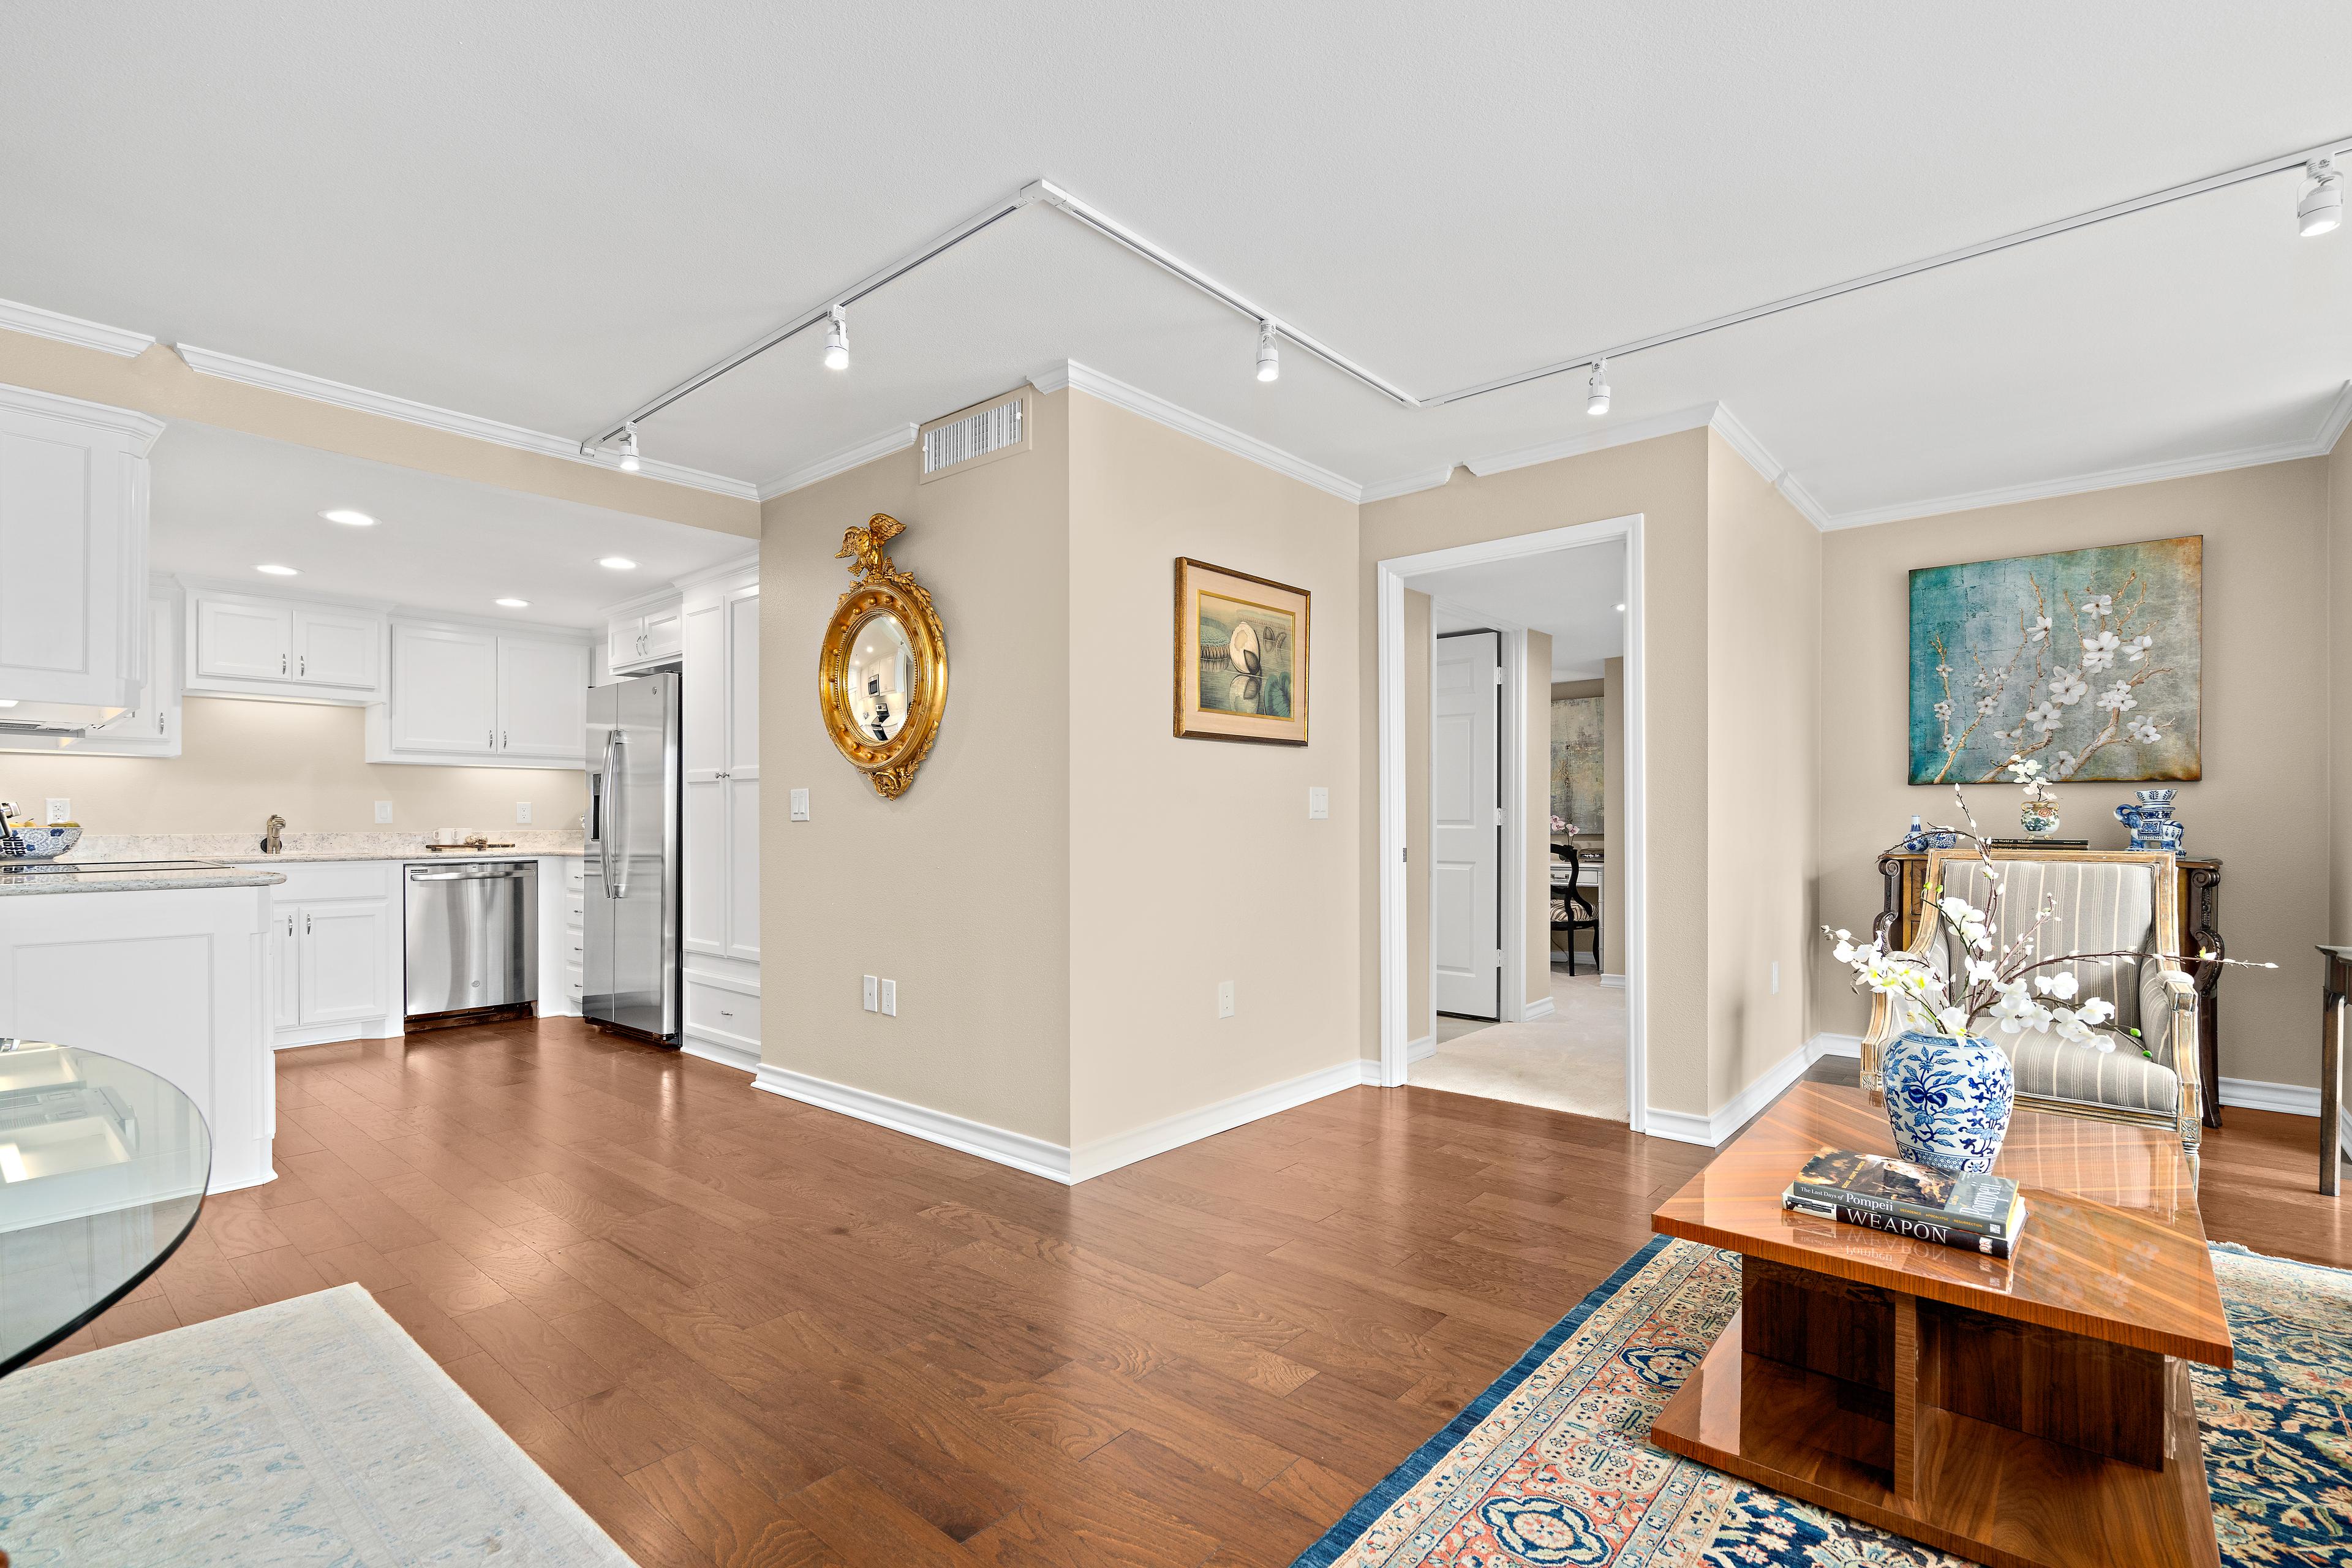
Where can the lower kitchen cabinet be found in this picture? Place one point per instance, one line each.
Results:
(337, 951)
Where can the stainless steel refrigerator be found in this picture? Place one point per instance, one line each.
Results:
(630, 923)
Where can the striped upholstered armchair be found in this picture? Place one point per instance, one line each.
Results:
(2105, 901)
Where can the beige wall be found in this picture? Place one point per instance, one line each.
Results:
(1666, 480)
(1613, 790)
(2339, 693)
(2262, 806)
(1534, 681)
(1419, 1007)
(959, 889)
(1763, 656)
(241, 760)
(159, 382)
(1195, 861)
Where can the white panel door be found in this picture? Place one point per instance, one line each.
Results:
(243, 641)
(444, 690)
(49, 528)
(705, 898)
(336, 648)
(1466, 801)
(342, 948)
(743, 871)
(542, 697)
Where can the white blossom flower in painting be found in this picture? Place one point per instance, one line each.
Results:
(2066, 686)
(2099, 605)
(2118, 697)
(2038, 630)
(2044, 717)
(2099, 652)
(1985, 704)
(1943, 710)
(2063, 762)
(1943, 669)
(2143, 730)
(2136, 648)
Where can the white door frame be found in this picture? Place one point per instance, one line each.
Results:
(1628, 830)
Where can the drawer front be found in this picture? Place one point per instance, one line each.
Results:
(714, 1010)
(575, 950)
(575, 875)
(306, 883)
(576, 912)
(574, 982)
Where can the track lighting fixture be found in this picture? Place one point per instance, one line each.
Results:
(1269, 357)
(1596, 390)
(629, 463)
(836, 341)
(2320, 206)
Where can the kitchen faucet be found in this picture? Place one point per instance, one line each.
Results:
(269, 843)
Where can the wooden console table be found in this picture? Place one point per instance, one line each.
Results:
(1905, 873)
(2026, 1412)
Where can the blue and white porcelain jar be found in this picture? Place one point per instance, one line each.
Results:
(1947, 1100)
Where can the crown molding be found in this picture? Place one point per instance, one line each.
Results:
(40, 324)
(1135, 400)
(1389, 489)
(1693, 418)
(319, 389)
(746, 562)
(141, 429)
(1742, 440)
(897, 438)
(2321, 442)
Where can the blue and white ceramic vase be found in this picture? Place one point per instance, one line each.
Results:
(1947, 1100)
(2150, 821)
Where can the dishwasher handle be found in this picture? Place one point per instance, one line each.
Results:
(469, 874)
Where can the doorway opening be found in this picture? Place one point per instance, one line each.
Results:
(1511, 820)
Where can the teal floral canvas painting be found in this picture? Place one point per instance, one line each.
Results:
(2089, 660)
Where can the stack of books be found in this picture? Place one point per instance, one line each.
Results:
(1980, 1213)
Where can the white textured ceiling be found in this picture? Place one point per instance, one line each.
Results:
(1569, 594)
(544, 213)
(226, 502)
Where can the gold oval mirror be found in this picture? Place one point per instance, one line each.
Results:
(882, 673)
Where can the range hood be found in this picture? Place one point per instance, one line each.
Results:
(68, 720)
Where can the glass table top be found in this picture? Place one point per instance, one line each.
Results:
(102, 1169)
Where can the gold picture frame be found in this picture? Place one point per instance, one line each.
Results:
(882, 669)
(1242, 664)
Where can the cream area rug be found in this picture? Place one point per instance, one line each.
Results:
(312, 1433)
(1574, 1060)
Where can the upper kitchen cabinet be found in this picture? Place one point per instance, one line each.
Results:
(73, 546)
(645, 632)
(149, 728)
(480, 696)
(288, 650)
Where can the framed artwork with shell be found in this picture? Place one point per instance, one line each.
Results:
(1241, 657)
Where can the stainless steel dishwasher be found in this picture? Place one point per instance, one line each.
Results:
(473, 938)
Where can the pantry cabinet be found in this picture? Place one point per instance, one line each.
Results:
(719, 746)
(291, 650)
(475, 696)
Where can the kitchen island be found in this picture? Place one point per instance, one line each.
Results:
(164, 965)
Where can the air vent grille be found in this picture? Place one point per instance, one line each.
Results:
(974, 435)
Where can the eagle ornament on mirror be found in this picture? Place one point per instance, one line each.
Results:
(882, 671)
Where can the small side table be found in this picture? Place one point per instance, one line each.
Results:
(2333, 1001)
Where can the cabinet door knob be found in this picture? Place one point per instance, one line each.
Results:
(281, 664)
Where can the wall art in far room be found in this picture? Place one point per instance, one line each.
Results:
(1241, 657)
(2089, 660)
(1577, 762)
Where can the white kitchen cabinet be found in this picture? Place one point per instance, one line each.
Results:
(336, 951)
(645, 632)
(343, 976)
(481, 697)
(290, 651)
(720, 749)
(73, 541)
(149, 728)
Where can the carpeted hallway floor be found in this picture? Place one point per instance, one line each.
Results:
(1574, 1060)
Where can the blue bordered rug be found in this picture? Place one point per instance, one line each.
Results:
(1548, 1467)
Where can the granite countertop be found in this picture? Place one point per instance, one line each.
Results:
(297, 857)
(244, 849)
(53, 877)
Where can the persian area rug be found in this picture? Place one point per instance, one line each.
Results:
(310, 1433)
(1549, 1467)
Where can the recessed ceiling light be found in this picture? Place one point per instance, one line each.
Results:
(349, 518)
(513, 604)
(617, 563)
(276, 571)
(8, 701)
(1621, 606)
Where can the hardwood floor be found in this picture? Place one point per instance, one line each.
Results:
(745, 1333)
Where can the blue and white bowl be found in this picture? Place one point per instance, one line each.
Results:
(40, 843)
(1948, 1101)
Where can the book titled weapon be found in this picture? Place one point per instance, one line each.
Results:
(1973, 1210)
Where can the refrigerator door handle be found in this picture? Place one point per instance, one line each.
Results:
(616, 875)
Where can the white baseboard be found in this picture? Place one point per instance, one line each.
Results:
(743, 1059)
(1369, 1071)
(1711, 1131)
(2295, 1098)
(1541, 1007)
(1419, 1050)
(1018, 1150)
(336, 1033)
(1190, 1127)
(1616, 982)
(1681, 1127)
(1826, 1044)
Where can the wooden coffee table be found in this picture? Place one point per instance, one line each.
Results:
(2034, 1411)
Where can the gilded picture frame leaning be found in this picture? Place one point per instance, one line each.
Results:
(1243, 670)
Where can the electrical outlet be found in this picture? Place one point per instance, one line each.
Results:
(873, 995)
(889, 998)
(1319, 802)
(522, 811)
(1224, 999)
(1776, 977)
(383, 811)
(60, 810)
(800, 806)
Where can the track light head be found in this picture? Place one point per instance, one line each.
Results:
(629, 463)
(1596, 390)
(1269, 357)
(2320, 206)
(836, 341)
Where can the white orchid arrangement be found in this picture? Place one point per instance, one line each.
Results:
(2005, 984)
(1563, 826)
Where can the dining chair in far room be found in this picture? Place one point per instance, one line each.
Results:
(1572, 909)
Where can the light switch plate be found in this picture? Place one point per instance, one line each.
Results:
(1319, 802)
(522, 811)
(383, 811)
(872, 996)
(1224, 999)
(889, 998)
(60, 810)
(800, 806)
